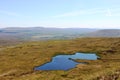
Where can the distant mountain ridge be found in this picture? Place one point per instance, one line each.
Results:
(41, 33)
(42, 29)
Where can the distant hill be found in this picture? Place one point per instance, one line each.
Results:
(104, 33)
(41, 33)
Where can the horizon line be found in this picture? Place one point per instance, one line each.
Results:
(58, 27)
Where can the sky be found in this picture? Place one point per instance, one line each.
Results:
(60, 13)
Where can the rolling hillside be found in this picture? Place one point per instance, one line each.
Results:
(104, 33)
(41, 33)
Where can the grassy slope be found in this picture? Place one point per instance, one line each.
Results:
(18, 62)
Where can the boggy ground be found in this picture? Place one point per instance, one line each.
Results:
(18, 62)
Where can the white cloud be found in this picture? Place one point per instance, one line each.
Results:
(113, 12)
(107, 12)
(12, 14)
(69, 14)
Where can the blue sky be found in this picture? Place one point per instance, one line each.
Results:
(60, 13)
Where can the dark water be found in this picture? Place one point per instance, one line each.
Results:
(65, 62)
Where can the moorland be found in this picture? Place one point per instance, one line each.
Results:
(18, 62)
